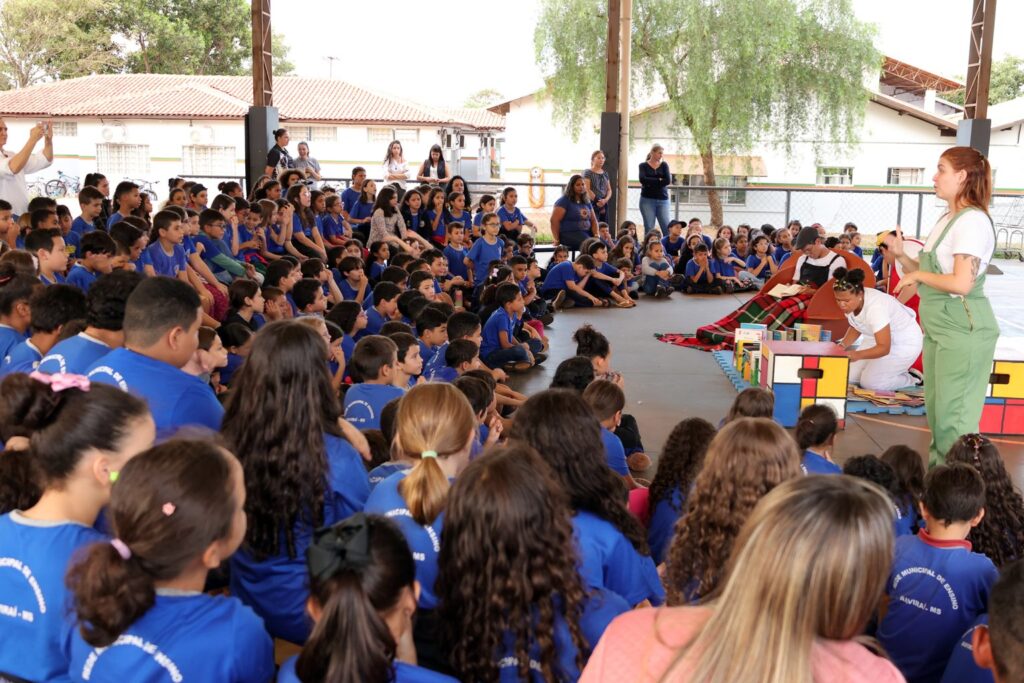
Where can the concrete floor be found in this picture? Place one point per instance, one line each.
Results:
(666, 383)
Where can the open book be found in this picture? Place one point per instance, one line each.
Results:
(780, 291)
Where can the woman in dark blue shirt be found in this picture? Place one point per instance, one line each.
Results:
(655, 178)
(573, 219)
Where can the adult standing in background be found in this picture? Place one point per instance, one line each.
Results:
(434, 171)
(278, 158)
(307, 164)
(14, 167)
(599, 187)
(395, 170)
(573, 219)
(655, 178)
(960, 329)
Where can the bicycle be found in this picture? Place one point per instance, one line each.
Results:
(62, 186)
(145, 186)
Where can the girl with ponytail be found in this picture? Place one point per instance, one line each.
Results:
(141, 614)
(363, 591)
(74, 438)
(436, 430)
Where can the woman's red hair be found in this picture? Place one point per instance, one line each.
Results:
(976, 190)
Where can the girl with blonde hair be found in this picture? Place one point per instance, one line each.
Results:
(806, 575)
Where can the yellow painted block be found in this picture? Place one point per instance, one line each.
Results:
(1015, 388)
(835, 372)
(804, 402)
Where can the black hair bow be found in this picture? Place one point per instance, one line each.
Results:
(344, 546)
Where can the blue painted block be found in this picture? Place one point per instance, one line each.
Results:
(787, 404)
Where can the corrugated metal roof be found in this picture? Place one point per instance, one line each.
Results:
(228, 97)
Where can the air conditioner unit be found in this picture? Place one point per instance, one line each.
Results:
(114, 131)
(201, 135)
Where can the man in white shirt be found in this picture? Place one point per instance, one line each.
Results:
(14, 167)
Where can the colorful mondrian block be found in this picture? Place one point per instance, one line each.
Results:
(802, 374)
(1004, 403)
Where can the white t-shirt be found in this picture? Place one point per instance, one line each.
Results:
(13, 187)
(880, 311)
(972, 234)
(823, 261)
(395, 167)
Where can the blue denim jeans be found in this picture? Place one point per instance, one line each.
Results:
(654, 208)
(515, 354)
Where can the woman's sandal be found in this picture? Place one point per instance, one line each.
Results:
(628, 303)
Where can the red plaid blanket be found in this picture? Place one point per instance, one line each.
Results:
(761, 310)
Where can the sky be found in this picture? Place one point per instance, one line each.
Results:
(441, 53)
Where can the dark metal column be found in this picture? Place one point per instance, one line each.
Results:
(262, 118)
(976, 130)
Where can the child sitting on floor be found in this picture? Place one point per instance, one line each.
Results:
(816, 435)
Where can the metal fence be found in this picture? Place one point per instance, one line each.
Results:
(872, 210)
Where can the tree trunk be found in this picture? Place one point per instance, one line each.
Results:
(707, 158)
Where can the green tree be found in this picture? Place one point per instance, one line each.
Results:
(32, 51)
(483, 98)
(1006, 82)
(735, 72)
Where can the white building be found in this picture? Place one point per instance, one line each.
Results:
(154, 127)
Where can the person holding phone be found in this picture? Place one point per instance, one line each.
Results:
(14, 166)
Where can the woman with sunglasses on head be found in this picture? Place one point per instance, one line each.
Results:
(890, 339)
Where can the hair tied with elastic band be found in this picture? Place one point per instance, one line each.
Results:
(62, 381)
(428, 454)
(344, 546)
(122, 548)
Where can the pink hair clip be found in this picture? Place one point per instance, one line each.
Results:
(168, 509)
(62, 381)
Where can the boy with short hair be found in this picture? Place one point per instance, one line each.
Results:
(999, 646)
(161, 334)
(15, 311)
(275, 304)
(9, 228)
(126, 199)
(95, 250)
(350, 196)
(461, 356)
(524, 244)
(216, 253)
(937, 586)
(565, 284)
(607, 400)
(47, 245)
(607, 281)
(309, 297)
(410, 364)
(410, 304)
(700, 273)
(43, 219)
(432, 328)
(500, 346)
(374, 362)
(354, 283)
(673, 241)
(479, 391)
(461, 325)
(456, 252)
(385, 307)
(52, 308)
(104, 322)
(90, 206)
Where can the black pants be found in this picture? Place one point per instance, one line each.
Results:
(628, 432)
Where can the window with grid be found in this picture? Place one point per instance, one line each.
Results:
(905, 176)
(118, 160)
(379, 135)
(315, 133)
(726, 195)
(65, 129)
(835, 175)
(208, 160)
(407, 135)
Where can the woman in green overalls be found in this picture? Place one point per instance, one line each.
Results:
(960, 330)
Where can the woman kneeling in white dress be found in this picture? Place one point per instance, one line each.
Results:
(890, 338)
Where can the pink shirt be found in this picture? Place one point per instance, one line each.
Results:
(630, 650)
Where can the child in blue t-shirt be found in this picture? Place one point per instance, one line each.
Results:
(512, 218)
(38, 540)
(701, 276)
(384, 308)
(673, 241)
(607, 400)
(500, 345)
(761, 264)
(15, 312)
(432, 329)
(162, 319)
(176, 513)
(937, 586)
(461, 325)
(165, 250)
(51, 308)
(872, 468)
(657, 271)
(484, 251)
(374, 362)
(816, 431)
(95, 253)
(354, 284)
(456, 253)
(216, 253)
(90, 204)
(373, 550)
(334, 232)
(565, 283)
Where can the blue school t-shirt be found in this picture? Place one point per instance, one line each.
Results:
(663, 523)
(374, 321)
(114, 219)
(578, 216)
(349, 198)
(812, 463)
(276, 587)
(74, 355)
(176, 399)
(227, 373)
(692, 268)
(426, 353)
(376, 270)
(9, 338)
(424, 540)
(364, 403)
(81, 277)
(599, 608)
(722, 268)
(166, 264)
(858, 251)
(298, 227)
(673, 248)
(58, 279)
(456, 264)
(784, 258)
(905, 519)
(500, 321)
(436, 362)
(23, 357)
(437, 233)
(513, 216)
(559, 275)
(465, 218)
(385, 470)
(81, 227)
(481, 254)
(614, 452)
(961, 667)
(72, 243)
(608, 560)
(361, 210)
(753, 262)
(403, 673)
(349, 293)
(34, 557)
(212, 248)
(183, 636)
(781, 253)
(936, 591)
(333, 227)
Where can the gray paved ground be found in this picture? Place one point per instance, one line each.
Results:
(665, 383)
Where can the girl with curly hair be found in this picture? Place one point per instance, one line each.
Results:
(1000, 535)
(363, 590)
(744, 461)
(436, 430)
(680, 461)
(807, 574)
(512, 603)
(612, 544)
(300, 471)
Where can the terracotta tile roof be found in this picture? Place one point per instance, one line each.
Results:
(228, 97)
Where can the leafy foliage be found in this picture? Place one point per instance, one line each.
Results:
(483, 98)
(735, 72)
(1006, 82)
